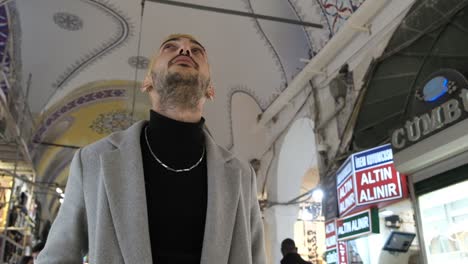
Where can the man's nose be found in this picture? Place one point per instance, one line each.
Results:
(184, 51)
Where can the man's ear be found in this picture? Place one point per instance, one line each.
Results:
(147, 84)
(210, 93)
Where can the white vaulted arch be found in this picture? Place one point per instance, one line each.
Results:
(296, 159)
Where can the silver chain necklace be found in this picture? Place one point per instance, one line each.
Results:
(166, 166)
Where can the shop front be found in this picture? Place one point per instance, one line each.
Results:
(431, 147)
(374, 221)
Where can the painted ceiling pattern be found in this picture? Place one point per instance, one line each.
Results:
(113, 121)
(338, 11)
(4, 55)
(68, 21)
(263, 36)
(73, 22)
(87, 41)
(139, 62)
(75, 104)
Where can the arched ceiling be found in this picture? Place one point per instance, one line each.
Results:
(68, 43)
(81, 57)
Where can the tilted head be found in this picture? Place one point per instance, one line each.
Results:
(179, 74)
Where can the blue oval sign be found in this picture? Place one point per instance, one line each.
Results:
(435, 88)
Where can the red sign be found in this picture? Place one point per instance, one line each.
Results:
(378, 184)
(330, 234)
(342, 252)
(368, 179)
(346, 196)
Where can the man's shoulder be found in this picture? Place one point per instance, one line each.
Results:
(98, 147)
(103, 145)
(227, 155)
(293, 258)
(112, 141)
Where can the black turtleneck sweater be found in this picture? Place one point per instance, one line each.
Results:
(176, 202)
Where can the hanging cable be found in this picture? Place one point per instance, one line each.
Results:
(138, 61)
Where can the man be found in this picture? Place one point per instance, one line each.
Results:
(161, 191)
(289, 251)
(26, 260)
(37, 249)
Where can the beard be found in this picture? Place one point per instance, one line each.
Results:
(179, 90)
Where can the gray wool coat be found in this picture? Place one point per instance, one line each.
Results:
(104, 212)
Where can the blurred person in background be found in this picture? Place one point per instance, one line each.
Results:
(290, 255)
(37, 249)
(26, 260)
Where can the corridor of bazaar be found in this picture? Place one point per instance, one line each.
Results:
(338, 125)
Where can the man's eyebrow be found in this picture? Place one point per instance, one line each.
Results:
(197, 43)
(177, 39)
(172, 39)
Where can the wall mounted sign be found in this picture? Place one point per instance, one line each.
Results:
(331, 256)
(342, 252)
(338, 255)
(435, 88)
(440, 103)
(368, 178)
(376, 177)
(330, 234)
(345, 187)
(358, 224)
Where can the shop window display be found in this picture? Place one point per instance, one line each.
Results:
(15, 218)
(444, 215)
(354, 256)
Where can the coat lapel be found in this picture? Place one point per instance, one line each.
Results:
(223, 198)
(125, 187)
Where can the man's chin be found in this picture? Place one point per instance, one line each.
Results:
(184, 73)
(182, 69)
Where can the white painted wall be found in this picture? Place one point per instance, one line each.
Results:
(297, 155)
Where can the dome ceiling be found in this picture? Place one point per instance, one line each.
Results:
(82, 57)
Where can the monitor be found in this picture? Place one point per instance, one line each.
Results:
(399, 241)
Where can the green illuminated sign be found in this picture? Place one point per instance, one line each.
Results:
(358, 224)
(331, 256)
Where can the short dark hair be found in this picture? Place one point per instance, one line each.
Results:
(38, 247)
(288, 246)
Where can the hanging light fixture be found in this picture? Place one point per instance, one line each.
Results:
(317, 195)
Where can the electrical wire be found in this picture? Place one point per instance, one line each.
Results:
(132, 113)
(303, 198)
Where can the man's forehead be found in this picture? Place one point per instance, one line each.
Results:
(176, 37)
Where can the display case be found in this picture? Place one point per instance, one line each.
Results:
(444, 215)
